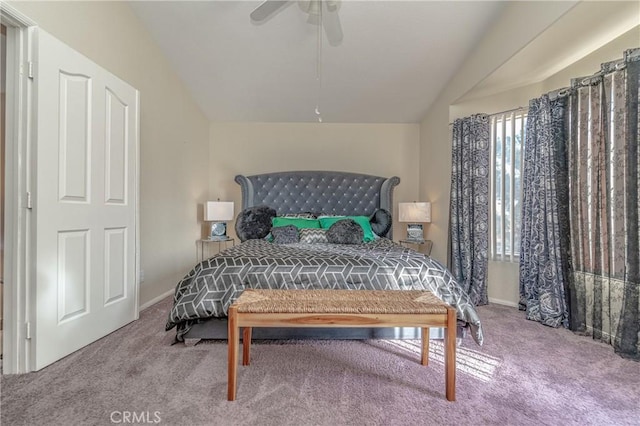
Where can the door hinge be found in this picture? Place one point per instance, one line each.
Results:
(29, 202)
(27, 330)
(30, 70)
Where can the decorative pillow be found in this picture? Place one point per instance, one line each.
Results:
(313, 236)
(299, 223)
(345, 231)
(381, 222)
(285, 234)
(301, 215)
(254, 222)
(363, 221)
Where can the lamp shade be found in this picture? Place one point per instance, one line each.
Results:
(218, 211)
(414, 212)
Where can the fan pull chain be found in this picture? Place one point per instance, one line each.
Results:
(319, 63)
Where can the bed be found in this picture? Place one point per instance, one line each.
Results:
(203, 296)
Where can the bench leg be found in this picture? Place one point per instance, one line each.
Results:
(425, 346)
(450, 354)
(233, 342)
(246, 346)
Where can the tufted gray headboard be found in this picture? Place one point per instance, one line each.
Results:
(339, 193)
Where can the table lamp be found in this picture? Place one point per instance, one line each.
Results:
(218, 213)
(416, 214)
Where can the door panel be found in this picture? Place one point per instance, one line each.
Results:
(75, 136)
(115, 252)
(87, 136)
(73, 274)
(116, 149)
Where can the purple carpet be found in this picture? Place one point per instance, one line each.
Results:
(525, 374)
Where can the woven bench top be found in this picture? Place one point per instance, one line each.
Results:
(340, 302)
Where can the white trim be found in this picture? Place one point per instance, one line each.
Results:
(14, 17)
(18, 158)
(137, 209)
(503, 302)
(156, 299)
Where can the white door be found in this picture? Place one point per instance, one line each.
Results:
(85, 203)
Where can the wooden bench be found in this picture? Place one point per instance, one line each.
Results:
(340, 308)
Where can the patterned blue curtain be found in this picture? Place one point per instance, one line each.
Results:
(469, 208)
(580, 253)
(544, 251)
(604, 178)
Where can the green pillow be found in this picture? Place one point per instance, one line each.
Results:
(363, 221)
(298, 222)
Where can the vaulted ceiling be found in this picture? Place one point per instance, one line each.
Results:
(394, 59)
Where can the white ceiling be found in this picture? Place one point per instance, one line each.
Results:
(394, 59)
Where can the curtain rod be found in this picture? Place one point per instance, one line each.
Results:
(520, 108)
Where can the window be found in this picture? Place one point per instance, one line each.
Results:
(507, 149)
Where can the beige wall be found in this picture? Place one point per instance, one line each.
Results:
(174, 134)
(375, 149)
(435, 133)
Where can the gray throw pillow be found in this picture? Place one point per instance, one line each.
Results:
(381, 222)
(345, 231)
(254, 223)
(285, 234)
(313, 236)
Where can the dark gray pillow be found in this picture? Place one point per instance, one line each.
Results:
(285, 234)
(345, 231)
(381, 222)
(254, 223)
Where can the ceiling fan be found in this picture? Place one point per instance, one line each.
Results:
(321, 12)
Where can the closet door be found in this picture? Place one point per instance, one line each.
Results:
(85, 202)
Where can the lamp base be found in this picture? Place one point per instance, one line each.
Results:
(414, 232)
(218, 231)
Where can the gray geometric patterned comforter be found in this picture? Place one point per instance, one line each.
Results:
(209, 288)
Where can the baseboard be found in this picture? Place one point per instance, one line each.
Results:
(156, 299)
(503, 302)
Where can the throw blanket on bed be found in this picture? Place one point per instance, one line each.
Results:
(209, 289)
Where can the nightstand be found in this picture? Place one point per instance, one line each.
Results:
(206, 242)
(428, 244)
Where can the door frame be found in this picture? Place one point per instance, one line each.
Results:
(19, 176)
(19, 299)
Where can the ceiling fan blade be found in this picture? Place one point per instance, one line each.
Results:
(266, 9)
(331, 24)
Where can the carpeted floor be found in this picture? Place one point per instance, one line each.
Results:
(534, 376)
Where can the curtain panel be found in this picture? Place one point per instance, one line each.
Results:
(469, 205)
(544, 234)
(604, 180)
